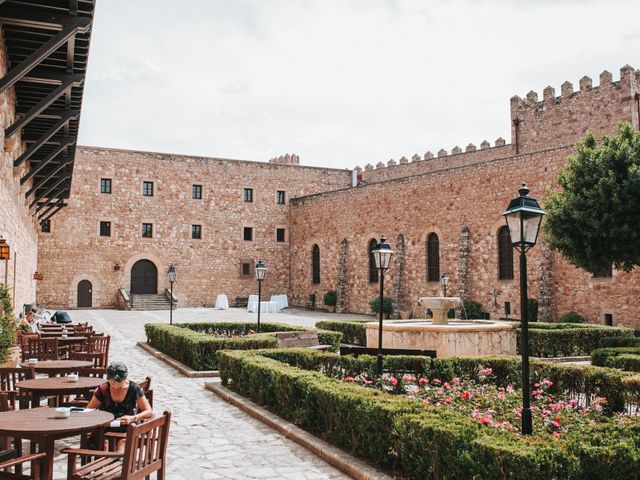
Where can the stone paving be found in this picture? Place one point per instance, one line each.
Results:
(209, 439)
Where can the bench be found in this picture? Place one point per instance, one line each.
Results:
(300, 339)
(242, 302)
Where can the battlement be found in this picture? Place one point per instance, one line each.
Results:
(286, 159)
(561, 120)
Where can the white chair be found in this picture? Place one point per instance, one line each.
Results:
(222, 302)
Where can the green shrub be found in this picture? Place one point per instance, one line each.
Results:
(194, 344)
(571, 317)
(7, 323)
(331, 298)
(609, 342)
(472, 310)
(353, 332)
(429, 443)
(568, 339)
(387, 305)
(624, 358)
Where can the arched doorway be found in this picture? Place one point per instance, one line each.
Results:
(85, 294)
(144, 277)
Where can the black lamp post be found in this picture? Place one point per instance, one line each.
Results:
(524, 217)
(261, 269)
(172, 278)
(382, 255)
(444, 281)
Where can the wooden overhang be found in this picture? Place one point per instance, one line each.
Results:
(47, 44)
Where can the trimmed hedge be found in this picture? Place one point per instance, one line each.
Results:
(353, 331)
(624, 358)
(425, 442)
(194, 344)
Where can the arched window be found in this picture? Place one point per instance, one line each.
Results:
(315, 264)
(373, 271)
(505, 254)
(433, 258)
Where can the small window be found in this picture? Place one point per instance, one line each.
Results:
(105, 229)
(248, 195)
(248, 234)
(315, 264)
(105, 185)
(196, 232)
(505, 254)
(279, 234)
(280, 197)
(45, 226)
(373, 270)
(147, 189)
(603, 273)
(245, 269)
(147, 230)
(197, 192)
(507, 309)
(608, 319)
(433, 258)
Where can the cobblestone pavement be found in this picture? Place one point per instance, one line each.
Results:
(209, 438)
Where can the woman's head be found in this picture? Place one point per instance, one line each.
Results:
(117, 373)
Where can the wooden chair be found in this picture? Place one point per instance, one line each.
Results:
(37, 466)
(8, 378)
(114, 437)
(24, 344)
(145, 452)
(42, 349)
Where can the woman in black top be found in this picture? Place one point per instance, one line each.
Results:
(121, 397)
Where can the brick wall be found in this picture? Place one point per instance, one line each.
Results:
(16, 224)
(74, 251)
(445, 202)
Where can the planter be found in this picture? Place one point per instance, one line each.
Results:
(331, 308)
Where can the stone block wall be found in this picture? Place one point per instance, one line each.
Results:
(75, 251)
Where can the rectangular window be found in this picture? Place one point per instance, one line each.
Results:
(608, 319)
(248, 195)
(245, 269)
(196, 232)
(279, 234)
(507, 309)
(147, 230)
(197, 192)
(280, 197)
(248, 234)
(147, 189)
(45, 226)
(105, 229)
(105, 185)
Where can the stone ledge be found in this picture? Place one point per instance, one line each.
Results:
(172, 362)
(585, 358)
(342, 461)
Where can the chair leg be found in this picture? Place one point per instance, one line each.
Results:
(71, 466)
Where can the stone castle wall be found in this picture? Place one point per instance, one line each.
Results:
(16, 224)
(74, 251)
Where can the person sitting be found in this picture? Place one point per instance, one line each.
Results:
(121, 397)
(29, 323)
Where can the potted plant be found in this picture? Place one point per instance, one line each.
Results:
(387, 306)
(330, 300)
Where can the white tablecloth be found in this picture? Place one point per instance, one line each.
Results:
(252, 298)
(265, 307)
(222, 302)
(282, 300)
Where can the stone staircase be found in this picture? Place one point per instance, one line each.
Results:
(150, 302)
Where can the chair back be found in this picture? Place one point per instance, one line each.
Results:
(42, 349)
(145, 385)
(146, 448)
(99, 368)
(99, 344)
(8, 378)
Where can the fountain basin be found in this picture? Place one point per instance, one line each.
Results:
(457, 338)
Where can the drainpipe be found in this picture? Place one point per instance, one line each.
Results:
(516, 126)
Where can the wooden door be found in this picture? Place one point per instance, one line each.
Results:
(144, 278)
(85, 294)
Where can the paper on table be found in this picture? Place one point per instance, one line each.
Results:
(115, 424)
(81, 410)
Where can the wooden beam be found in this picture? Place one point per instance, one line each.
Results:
(45, 161)
(48, 217)
(45, 76)
(23, 17)
(44, 180)
(74, 25)
(51, 206)
(72, 114)
(50, 191)
(43, 104)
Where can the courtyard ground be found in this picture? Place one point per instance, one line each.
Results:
(209, 439)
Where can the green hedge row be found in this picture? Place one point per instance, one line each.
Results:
(545, 339)
(194, 344)
(398, 433)
(624, 358)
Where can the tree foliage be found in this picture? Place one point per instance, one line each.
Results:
(595, 220)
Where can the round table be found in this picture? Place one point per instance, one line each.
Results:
(54, 386)
(57, 367)
(40, 425)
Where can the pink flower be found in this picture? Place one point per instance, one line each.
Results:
(535, 393)
(548, 383)
(425, 401)
(510, 389)
(437, 381)
(447, 385)
(485, 419)
(393, 381)
(556, 422)
(423, 381)
(501, 395)
(466, 395)
(455, 380)
(409, 379)
(556, 434)
(349, 379)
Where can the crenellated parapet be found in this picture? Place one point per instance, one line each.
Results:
(561, 120)
(286, 159)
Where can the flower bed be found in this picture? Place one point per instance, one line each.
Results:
(386, 423)
(196, 344)
(545, 339)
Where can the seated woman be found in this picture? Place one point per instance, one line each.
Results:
(121, 397)
(28, 323)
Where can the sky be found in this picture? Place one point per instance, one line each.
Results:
(338, 82)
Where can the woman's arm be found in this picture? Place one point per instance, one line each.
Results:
(94, 403)
(144, 412)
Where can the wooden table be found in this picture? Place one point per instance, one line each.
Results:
(54, 386)
(40, 425)
(58, 367)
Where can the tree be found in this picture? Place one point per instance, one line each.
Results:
(595, 220)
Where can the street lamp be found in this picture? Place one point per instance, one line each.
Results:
(172, 278)
(444, 281)
(524, 216)
(261, 269)
(382, 255)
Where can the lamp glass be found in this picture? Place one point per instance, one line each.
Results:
(261, 269)
(382, 254)
(172, 274)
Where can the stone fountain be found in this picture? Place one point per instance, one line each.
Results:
(449, 338)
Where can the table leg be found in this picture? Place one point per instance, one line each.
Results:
(46, 445)
(35, 399)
